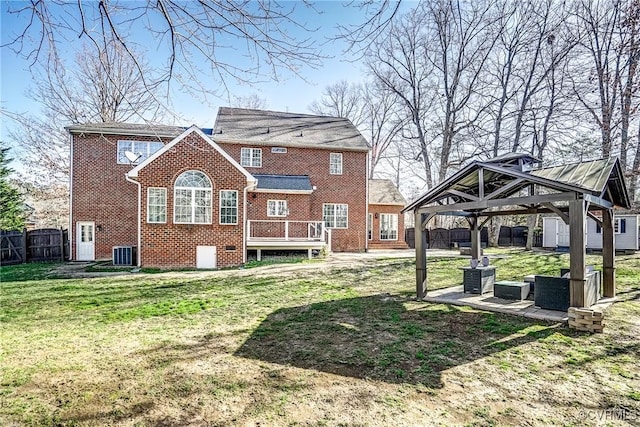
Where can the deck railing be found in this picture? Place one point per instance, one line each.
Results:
(285, 230)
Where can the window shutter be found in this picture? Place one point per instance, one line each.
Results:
(598, 228)
(623, 225)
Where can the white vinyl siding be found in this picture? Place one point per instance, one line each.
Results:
(335, 215)
(192, 199)
(335, 163)
(142, 148)
(277, 208)
(388, 227)
(229, 207)
(251, 157)
(156, 205)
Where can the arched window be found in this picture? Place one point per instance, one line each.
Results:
(192, 198)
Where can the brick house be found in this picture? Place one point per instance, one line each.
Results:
(259, 180)
(385, 229)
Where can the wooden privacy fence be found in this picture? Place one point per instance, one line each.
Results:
(444, 238)
(46, 244)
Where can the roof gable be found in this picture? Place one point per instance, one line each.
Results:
(262, 127)
(384, 192)
(133, 173)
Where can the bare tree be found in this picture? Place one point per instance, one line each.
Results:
(598, 23)
(399, 63)
(103, 88)
(252, 101)
(382, 124)
(106, 87)
(230, 40)
(371, 107)
(465, 35)
(342, 99)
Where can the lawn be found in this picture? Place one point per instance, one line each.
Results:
(315, 347)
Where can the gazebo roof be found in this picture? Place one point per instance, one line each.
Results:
(477, 186)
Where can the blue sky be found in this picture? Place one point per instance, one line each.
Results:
(292, 93)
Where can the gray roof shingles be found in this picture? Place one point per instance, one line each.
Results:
(284, 182)
(261, 127)
(383, 192)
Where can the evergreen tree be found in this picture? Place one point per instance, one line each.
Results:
(11, 214)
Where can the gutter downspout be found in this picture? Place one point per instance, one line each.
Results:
(139, 251)
(71, 233)
(252, 185)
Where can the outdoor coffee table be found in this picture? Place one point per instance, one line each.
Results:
(506, 289)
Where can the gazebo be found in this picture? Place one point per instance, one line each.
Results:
(515, 184)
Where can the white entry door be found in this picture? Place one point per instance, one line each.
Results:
(85, 241)
(563, 234)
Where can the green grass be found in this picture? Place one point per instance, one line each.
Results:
(345, 347)
(26, 272)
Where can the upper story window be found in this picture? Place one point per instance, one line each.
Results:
(388, 227)
(142, 148)
(335, 215)
(277, 208)
(156, 205)
(251, 157)
(192, 198)
(335, 163)
(229, 207)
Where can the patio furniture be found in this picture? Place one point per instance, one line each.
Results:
(479, 280)
(531, 280)
(507, 289)
(553, 292)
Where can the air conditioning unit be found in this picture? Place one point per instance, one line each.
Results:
(124, 255)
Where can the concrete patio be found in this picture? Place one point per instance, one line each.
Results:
(525, 308)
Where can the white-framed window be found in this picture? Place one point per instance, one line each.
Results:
(335, 163)
(370, 226)
(157, 205)
(251, 157)
(277, 208)
(192, 198)
(229, 207)
(335, 215)
(142, 148)
(388, 227)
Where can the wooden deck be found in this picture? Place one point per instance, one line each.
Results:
(287, 235)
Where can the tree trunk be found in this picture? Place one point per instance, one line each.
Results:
(494, 230)
(532, 221)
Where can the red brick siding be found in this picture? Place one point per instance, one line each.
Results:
(174, 245)
(299, 206)
(375, 242)
(101, 194)
(349, 188)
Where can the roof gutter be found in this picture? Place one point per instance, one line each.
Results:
(122, 131)
(216, 137)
